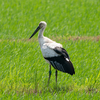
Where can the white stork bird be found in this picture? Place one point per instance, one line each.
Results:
(53, 53)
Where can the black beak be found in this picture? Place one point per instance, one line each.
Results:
(35, 32)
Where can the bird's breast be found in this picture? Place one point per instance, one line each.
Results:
(47, 46)
(48, 52)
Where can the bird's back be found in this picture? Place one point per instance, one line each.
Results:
(47, 46)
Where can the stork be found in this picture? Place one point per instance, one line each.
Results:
(53, 53)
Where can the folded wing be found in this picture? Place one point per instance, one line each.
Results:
(62, 61)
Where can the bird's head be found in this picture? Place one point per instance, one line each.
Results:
(42, 24)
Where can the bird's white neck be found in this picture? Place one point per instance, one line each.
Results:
(41, 33)
(41, 37)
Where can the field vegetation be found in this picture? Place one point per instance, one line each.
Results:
(23, 71)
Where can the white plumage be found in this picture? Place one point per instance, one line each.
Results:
(47, 49)
(46, 44)
(53, 52)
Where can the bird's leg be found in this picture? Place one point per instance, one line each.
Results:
(56, 77)
(49, 74)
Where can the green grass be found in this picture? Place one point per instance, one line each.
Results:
(18, 19)
(23, 71)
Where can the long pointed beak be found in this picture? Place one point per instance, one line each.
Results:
(35, 32)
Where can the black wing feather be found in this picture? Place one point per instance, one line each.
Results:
(60, 63)
(61, 51)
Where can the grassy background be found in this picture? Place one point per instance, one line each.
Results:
(23, 71)
(78, 17)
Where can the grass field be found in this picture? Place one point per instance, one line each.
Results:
(23, 71)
